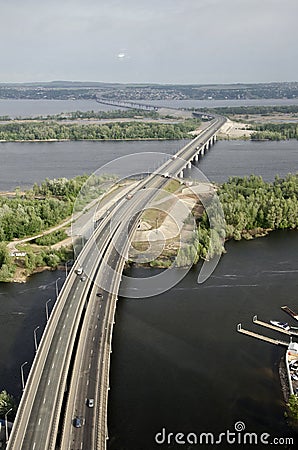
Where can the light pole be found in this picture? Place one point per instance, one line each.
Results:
(22, 375)
(66, 267)
(47, 308)
(35, 340)
(57, 292)
(6, 427)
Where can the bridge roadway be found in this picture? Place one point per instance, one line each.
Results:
(44, 392)
(91, 368)
(38, 417)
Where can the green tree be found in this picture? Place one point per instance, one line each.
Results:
(7, 402)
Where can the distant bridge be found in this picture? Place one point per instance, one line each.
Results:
(126, 104)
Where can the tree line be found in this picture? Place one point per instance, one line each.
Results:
(45, 205)
(40, 208)
(74, 115)
(30, 131)
(275, 131)
(246, 110)
(251, 208)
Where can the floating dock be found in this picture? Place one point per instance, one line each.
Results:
(261, 336)
(273, 327)
(269, 325)
(290, 312)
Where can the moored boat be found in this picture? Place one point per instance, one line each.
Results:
(283, 325)
(292, 367)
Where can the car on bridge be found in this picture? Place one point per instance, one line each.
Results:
(77, 422)
(90, 402)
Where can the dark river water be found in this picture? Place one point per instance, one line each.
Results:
(33, 108)
(177, 362)
(23, 163)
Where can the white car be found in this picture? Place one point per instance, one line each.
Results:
(90, 402)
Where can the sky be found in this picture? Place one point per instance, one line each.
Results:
(156, 41)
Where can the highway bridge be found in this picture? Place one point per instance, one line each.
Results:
(73, 358)
(126, 104)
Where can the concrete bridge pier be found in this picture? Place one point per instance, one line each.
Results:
(189, 165)
(197, 157)
(180, 174)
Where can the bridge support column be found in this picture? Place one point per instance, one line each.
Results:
(180, 175)
(203, 151)
(197, 157)
(189, 165)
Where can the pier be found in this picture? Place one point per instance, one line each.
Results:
(290, 312)
(261, 336)
(269, 325)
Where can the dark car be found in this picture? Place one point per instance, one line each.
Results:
(99, 294)
(77, 422)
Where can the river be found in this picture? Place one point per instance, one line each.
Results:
(23, 163)
(177, 359)
(33, 108)
(179, 363)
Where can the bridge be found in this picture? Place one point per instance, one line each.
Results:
(73, 359)
(126, 104)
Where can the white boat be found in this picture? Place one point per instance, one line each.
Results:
(283, 325)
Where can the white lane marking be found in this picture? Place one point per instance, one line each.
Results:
(39, 421)
(64, 326)
(60, 338)
(44, 400)
(70, 305)
(81, 444)
(89, 366)
(56, 351)
(34, 446)
(53, 365)
(49, 382)
(95, 326)
(87, 382)
(93, 338)
(91, 351)
(67, 315)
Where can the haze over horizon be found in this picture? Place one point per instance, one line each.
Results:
(169, 42)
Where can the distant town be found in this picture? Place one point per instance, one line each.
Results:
(64, 90)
